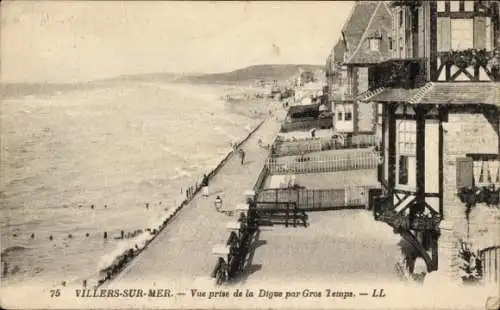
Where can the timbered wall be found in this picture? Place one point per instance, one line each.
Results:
(410, 32)
(416, 134)
(435, 28)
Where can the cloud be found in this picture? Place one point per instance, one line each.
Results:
(78, 40)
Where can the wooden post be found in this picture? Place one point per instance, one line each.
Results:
(434, 250)
(345, 195)
(420, 163)
(391, 123)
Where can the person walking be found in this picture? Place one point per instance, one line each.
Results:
(204, 184)
(242, 156)
(218, 203)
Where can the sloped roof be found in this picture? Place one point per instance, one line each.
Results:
(455, 93)
(357, 23)
(379, 24)
(338, 51)
(441, 93)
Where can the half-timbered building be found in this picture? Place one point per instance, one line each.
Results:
(365, 41)
(438, 116)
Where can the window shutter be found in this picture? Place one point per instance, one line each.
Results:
(480, 32)
(443, 34)
(465, 172)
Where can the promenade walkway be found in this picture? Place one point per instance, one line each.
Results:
(342, 246)
(182, 253)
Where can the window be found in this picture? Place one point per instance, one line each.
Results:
(440, 6)
(400, 18)
(339, 116)
(469, 6)
(407, 140)
(348, 116)
(390, 43)
(374, 44)
(462, 34)
(407, 148)
(454, 6)
(403, 170)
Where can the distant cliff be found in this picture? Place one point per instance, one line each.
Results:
(251, 74)
(247, 75)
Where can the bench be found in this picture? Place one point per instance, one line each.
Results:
(280, 213)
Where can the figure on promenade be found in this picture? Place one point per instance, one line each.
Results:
(204, 184)
(218, 203)
(242, 156)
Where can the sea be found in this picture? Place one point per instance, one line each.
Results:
(77, 164)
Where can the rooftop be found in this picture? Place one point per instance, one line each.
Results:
(439, 93)
(379, 25)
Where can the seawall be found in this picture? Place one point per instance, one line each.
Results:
(127, 255)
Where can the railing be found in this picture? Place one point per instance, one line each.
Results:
(289, 148)
(490, 260)
(262, 177)
(303, 125)
(317, 199)
(231, 260)
(470, 62)
(299, 147)
(319, 164)
(406, 3)
(384, 211)
(398, 73)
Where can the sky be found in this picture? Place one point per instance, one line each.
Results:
(71, 41)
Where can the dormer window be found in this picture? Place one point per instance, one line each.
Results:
(374, 41)
(374, 44)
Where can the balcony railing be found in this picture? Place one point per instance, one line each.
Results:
(472, 64)
(406, 3)
(399, 73)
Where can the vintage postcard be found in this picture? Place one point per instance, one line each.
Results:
(250, 155)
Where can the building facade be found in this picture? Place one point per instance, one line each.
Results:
(365, 41)
(438, 117)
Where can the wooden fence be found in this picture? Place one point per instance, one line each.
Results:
(288, 148)
(490, 259)
(318, 199)
(319, 164)
(298, 147)
(360, 141)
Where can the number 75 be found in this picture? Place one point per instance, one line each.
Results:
(55, 292)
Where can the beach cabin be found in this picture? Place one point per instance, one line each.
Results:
(438, 102)
(365, 41)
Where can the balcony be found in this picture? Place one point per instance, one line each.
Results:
(469, 65)
(414, 3)
(399, 73)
